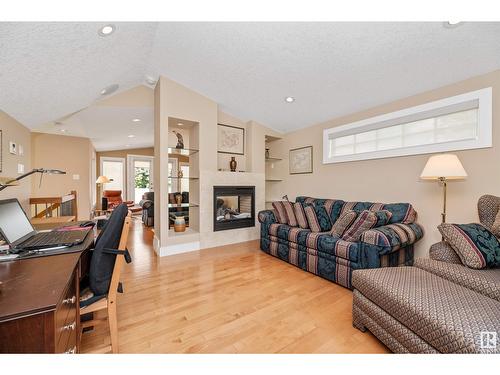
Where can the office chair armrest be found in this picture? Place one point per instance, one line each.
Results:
(125, 253)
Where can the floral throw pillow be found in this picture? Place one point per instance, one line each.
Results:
(343, 222)
(366, 220)
(476, 246)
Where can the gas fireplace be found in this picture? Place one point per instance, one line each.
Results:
(234, 207)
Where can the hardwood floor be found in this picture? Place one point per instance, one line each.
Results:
(231, 299)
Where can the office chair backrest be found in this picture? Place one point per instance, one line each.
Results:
(102, 262)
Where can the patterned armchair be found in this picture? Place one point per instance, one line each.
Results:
(332, 257)
(438, 306)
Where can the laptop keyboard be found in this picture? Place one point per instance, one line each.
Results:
(54, 238)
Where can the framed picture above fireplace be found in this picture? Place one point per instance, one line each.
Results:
(230, 140)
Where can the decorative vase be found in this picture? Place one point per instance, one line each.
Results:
(178, 199)
(179, 224)
(233, 164)
(267, 153)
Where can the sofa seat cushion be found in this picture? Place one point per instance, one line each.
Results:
(446, 315)
(486, 282)
(323, 242)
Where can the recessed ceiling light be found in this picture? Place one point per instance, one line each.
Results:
(136, 120)
(180, 123)
(110, 89)
(289, 99)
(63, 130)
(127, 145)
(452, 24)
(131, 136)
(106, 30)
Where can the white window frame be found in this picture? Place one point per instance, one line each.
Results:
(131, 173)
(482, 97)
(124, 171)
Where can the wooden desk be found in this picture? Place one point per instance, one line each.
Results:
(41, 223)
(39, 302)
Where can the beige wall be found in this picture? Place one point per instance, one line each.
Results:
(15, 132)
(397, 179)
(70, 154)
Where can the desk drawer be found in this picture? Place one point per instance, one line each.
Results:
(65, 332)
(65, 317)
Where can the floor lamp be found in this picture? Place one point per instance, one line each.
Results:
(443, 168)
(101, 180)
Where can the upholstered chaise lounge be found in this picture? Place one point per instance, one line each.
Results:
(334, 258)
(438, 306)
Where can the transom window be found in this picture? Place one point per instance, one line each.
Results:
(457, 123)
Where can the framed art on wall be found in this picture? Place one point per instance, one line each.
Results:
(230, 140)
(301, 160)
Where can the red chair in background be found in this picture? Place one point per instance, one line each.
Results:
(115, 198)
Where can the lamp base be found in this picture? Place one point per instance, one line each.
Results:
(104, 203)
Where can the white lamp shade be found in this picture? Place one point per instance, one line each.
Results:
(102, 180)
(446, 166)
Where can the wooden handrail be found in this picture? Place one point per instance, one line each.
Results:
(54, 204)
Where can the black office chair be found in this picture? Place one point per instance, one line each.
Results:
(107, 260)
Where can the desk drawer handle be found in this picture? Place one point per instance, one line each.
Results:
(69, 327)
(71, 351)
(69, 301)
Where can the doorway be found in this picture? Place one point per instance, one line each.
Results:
(139, 176)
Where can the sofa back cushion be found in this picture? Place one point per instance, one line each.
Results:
(401, 212)
(343, 222)
(476, 246)
(300, 215)
(366, 220)
(285, 213)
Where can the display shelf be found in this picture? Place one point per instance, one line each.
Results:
(273, 159)
(182, 151)
(182, 205)
(184, 178)
(273, 179)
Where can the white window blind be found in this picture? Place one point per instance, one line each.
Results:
(460, 122)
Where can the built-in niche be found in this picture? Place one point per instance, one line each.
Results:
(183, 174)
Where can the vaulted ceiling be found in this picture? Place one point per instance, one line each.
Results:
(50, 70)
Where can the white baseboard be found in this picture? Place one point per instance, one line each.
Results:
(178, 249)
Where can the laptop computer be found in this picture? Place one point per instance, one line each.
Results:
(20, 234)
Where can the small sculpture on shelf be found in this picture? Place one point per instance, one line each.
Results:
(180, 174)
(178, 199)
(233, 164)
(180, 140)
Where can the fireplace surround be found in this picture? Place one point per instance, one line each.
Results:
(234, 207)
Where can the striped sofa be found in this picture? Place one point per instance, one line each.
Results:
(331, 257)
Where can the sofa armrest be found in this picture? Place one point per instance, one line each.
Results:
(145, 204)
(443, 252)
(267, 217)
(392, 237)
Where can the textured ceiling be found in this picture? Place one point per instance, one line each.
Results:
(48, 70)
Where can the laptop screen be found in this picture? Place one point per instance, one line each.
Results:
(13, 221)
